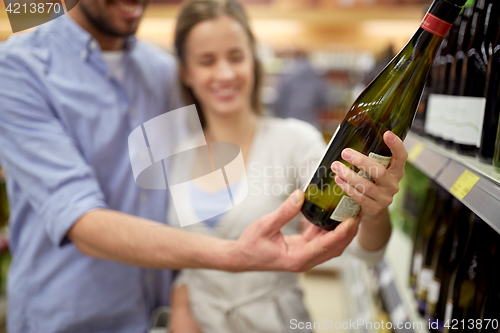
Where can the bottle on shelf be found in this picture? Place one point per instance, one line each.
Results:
(448, 107)
(463, 40)
(434, 231)
(494, 95)
(388, 103)
(420, 123)
(470, 115)
(455, 63)
(470, 280)
(492, 90)
(438, 106)
(450, 248)
(490, 310)
(431, 201)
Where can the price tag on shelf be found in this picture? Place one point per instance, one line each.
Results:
(464, 184)
(415, 152)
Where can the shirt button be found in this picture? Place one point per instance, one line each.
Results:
(93, 45)
(83, 54)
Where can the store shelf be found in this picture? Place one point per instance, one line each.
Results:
(393, 274)
(446, 166)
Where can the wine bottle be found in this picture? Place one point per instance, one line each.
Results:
(438, 103)
(434, 108)
(492, 109)
(455, 76)
(445, 63)
(469, 285)
(436, 227)
(424, 116)
(414, 188)
(495, 63)
(445, 261)
(388, 103)
(462, 46)
(472, 88)
(490, 310)
(431, 201)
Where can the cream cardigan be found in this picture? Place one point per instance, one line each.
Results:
(284, 154)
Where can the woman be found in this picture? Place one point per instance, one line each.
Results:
(220, 74)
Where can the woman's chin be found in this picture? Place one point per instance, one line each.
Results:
(227, 109)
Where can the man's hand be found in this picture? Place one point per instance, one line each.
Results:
(262, 246)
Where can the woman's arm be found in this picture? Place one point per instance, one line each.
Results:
(181, 317)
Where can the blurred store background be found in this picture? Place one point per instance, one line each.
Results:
(339, 45)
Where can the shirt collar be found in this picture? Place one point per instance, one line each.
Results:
(81, 40)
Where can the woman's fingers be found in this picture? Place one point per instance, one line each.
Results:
(369, 205)
(399, 154)
(347, 175)
(366, 165)
(387, 186)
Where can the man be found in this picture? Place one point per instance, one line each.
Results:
(87, 256)
(303, 94)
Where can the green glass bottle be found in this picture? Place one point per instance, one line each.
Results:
(469, 284)
(435, 228)
(423, 232)
(445, 262)
(389, 103)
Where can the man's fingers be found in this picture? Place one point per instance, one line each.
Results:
(274, 221)
(312, 231)
(331, 244)
(399, 153)
(339, 238)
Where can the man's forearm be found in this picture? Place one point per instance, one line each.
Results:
(115, 236)
(375, 232)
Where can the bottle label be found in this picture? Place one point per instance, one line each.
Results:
(448, 313)
(423, 281)
(433, 293)
(418, 259)
(440, 118)
(384, 160)
(347, 207)
(469, 115)
(433, 117)
(435, 25)
(450, 104)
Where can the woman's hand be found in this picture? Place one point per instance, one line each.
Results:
(374, 197)
(181, 317)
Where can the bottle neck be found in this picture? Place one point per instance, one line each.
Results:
(440, 18)
(492, 25)
(452, 38)
(479, 23)
(465, 25)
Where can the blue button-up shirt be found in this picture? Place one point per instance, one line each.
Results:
(64, 124)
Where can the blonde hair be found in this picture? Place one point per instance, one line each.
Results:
(197, 11)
